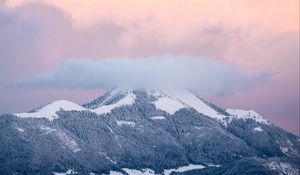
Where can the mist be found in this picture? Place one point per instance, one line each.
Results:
(206, 76)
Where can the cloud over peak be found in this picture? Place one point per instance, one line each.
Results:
(207, 76)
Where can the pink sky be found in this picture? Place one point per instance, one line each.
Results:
(257, 36)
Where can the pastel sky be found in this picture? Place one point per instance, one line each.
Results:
(255, 43)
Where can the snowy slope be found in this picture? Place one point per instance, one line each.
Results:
(139, 138)
(127, 100)
(247, 114)
(174, 100)
(49, 111)
(193, 101)
(166, 100)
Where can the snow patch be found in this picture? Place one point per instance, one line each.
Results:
(47, 129)
(213, 165)
(167, 103)
(198, 127)
(69, 172)
(184, 169)
(158, 118)
(282, 168)
(124, 122)
(68, 142)
(284, 150)
(115, 92)
(110, 129)
(193, 101)
(257, 129)
(127, 100)
(244, 115)
(20, 129)
(49, 111)
(108, 158)
(174, 100)
(287, 148)
(115, 173)
(145, 171)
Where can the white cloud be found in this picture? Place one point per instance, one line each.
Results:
(207, 76)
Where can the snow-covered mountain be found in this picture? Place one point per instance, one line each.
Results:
(141, 131)
(169, 101)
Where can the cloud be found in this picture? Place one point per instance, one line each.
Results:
(203, 75)
(37, 36)
(18, 43)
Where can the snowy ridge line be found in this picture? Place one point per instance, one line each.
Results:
(166, 100)
(246, 114)
(174, 100)
(127, 100)
(50, 111)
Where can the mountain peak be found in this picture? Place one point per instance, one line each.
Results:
(109, 97)
(167, 100)
(151, 120)
(49, 111)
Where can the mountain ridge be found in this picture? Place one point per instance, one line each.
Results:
(197, 103)
(131, 132)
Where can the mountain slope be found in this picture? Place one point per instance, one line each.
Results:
(129, 131)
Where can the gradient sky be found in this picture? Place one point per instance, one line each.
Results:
(255, 37)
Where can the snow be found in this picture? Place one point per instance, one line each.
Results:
(69, 172)
(166, 100)
(47, 129)
(287, 148)
(183, 169)
(115, 92)
(148, 171)
(124, 122)
(193, 101)
(284, 150)
(187, 98)
(145, 171)
(108, 158)
(63, 137)
(115, 173)
(20, 129)
(282, 168)
(257, 129)
(166, 103)
(127, 100)
(174, 100)
(244, 114)
(110, 129)
(289, 142)
(68, 142)
(213, 165)
(200, 127)
(158, 118)
(49, 111)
